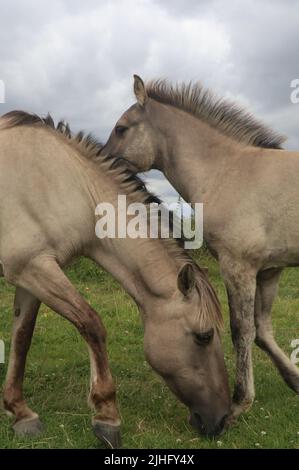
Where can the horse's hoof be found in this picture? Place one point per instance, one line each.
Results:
(28, 427)
(108, 433)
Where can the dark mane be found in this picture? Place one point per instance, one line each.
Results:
(90, 148)
(222, 114)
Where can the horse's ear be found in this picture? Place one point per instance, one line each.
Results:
(186, 279)
(139, 90)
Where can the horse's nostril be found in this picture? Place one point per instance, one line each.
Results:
(222, 423)
(205, 429)
(196, 422)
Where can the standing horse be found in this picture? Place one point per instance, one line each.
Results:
(213, 152)
(51, 183)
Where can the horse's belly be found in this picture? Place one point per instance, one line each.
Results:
(288, 256)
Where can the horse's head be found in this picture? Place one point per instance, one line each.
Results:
(135, 137)
(182, 344)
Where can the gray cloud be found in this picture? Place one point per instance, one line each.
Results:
(76, 59)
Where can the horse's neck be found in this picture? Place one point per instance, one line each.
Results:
(144, 274)
(198, 157)
(145, 267)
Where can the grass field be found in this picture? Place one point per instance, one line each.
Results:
(57, 376)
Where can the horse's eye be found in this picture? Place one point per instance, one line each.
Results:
(120, 130)
(204, 338)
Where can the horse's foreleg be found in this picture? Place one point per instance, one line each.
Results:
(44, 278)
(26, 308)
(267, 286)
(241, 286)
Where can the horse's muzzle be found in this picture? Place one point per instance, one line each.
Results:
(207, 428)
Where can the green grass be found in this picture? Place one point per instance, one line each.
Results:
(57, 376)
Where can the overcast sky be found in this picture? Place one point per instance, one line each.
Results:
(76, 59)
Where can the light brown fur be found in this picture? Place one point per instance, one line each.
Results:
(51, 184)
(213, 152)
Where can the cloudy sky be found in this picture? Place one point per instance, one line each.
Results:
(76, 59)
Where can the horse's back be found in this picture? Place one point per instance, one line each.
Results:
(41, 195)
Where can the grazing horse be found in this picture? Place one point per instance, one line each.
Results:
(51, 183)
(213, 152)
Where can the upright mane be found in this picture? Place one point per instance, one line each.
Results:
(88, 146)
(226, 116)
(131, 184)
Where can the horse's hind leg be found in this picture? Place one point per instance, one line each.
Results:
(26, 308)
(267, 286)
(44, 278)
